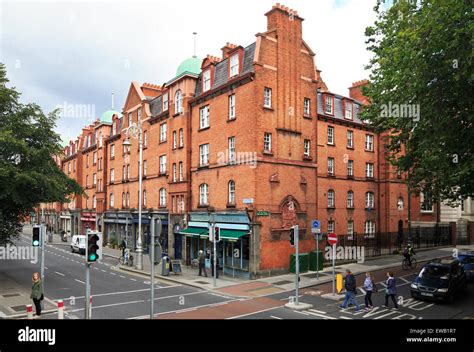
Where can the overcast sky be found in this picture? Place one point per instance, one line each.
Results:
(78, 53)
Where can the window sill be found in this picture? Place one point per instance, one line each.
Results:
(111, 158)
(349, 147)
(369, 178)
(307, 117)
(162, 206)
(350, 208)
(181, 147)
(231, 205)
(204, 128)
(269, 153)
(230, 119)
(307, 158)
(331, 144)
(162, 174)
(269, 108)
(369, 150)
(331, 208)
(350, 177)
(177, 114)
(331, 175)
(203, 205)
(161, 142)
(369, 209)
(206, 166)
(426, 212)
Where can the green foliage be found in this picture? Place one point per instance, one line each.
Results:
(28, 173)
(422, 55)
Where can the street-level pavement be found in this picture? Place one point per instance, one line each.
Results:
(126, 294)
(115, 294)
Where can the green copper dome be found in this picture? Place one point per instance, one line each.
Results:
(191, 65)
(107, 116)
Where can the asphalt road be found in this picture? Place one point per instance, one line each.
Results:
(409, 308)
(115, 294)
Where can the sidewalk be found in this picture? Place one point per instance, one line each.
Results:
(264, 286)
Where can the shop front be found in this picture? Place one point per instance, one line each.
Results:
(233, 250)
(118, 227)
(88, 221)
(65, 222)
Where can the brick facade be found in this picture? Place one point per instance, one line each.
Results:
(275, 187)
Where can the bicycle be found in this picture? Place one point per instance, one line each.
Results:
(126, 259)
(406, 264)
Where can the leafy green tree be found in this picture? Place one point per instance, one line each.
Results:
(421, 91)
(28, 173)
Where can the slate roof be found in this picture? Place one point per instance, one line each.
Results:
(338, 108)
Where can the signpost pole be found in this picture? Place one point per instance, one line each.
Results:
(297, 264)
(317, 256)
(152, 268)
(333, 268)
(88, 292)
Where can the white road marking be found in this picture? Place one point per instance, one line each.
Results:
(260, 311)
(318, 311)
(321, 315)
(123, 277)
(383, 284)
(82, 282)
(60, 273)
(274, 317)
(103, 270)
(403, 279)
(114, 293)
(112, 273)
(133, 279)
(347, 318)
(362, 290)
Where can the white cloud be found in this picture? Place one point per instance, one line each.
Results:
(80, 52)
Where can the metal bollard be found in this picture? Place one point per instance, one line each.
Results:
(29, 311)
(60, 309)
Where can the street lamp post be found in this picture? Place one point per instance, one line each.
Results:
(135, 131)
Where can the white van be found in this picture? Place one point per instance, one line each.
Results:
(78, 244)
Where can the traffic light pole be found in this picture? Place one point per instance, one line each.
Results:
(43, 239)
(152, 269)
(297, 264)
(333, 269)
(88, 292)
(215, 259)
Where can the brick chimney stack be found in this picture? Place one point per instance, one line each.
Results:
(226, 49)
(355, 92)
(284, 19)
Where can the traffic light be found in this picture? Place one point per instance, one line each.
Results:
(94, 246)
(35, 242)
(217, 234)
(292, 237)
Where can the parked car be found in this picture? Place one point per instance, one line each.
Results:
(467, 261)
(439, 280)
(78, 244)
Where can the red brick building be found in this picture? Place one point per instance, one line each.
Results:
(254, 141)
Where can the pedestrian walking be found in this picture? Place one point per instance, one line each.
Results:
(202, 263)
(369, 287)
(391, 290)
(37, 292)
(351, 289)
(123, 246)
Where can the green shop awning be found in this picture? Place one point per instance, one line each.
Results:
(232, 235)
(195, 231)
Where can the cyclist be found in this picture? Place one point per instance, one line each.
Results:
(408, 253)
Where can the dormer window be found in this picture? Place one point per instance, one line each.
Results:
(348, 108)
(329, 105)
(234, 65)
(206, 80)
(165, 102)
(178, 102)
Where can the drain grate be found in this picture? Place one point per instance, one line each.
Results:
(202, 282)
(21, 308)
(11, 295)
(285, 282)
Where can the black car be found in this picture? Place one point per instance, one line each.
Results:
(439, 280)
(467, 261)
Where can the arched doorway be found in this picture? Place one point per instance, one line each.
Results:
(178, 242)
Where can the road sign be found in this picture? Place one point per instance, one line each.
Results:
(316, 224)
(332, 239)
(339, 283)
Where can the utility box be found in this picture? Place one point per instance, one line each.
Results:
(316, 261)
(304, 263)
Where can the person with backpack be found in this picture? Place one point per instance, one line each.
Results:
(351, 289)
(369, 286)
(391, 290)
